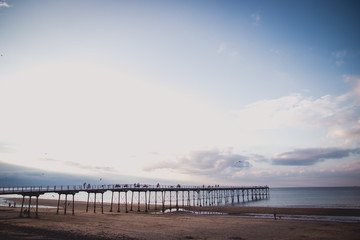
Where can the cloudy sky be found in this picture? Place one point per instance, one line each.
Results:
(200, 92)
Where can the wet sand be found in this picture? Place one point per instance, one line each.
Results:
(141, 225)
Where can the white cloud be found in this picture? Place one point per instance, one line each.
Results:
(346, 124)
(224, 49)
(338, 115)
(339, 57)
(233, 54)
(339, 54)
(354, 81)
(256, 18)
(206, 162)
(221, 48)
(275, 51)
(4, 4)
(290, 111)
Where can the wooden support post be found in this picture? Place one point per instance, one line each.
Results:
(112, 197)
(22, 205)
(132, 198)
(37, 206)
(183, 199)
(163, 200)
(203, 197)
(65, 203)
(155, 200)
(58, 206)
(73, 204)
(213, 197)
(126, 202)
(87, 203)
(118, 203)
(216, 197)
(205, 192)
(177, 200)
(188, 200)
(102, 203)
(170, 199)
(198, 203)
(29, 206)
(146, 206)
(206, 197)
(95, 203)
(139, 201)
(209, 197)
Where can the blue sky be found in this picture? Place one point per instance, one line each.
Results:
(200, 92)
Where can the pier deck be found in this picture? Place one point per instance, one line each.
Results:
(160, 196)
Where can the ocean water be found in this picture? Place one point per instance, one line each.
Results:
(323, 197)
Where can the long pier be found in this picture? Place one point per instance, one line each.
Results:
(157, 196)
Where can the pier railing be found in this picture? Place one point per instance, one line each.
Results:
(110, 187)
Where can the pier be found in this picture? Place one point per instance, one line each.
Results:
(159, 197)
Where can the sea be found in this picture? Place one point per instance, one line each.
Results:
(310, 197)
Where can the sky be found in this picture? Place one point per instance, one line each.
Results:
(192, 92)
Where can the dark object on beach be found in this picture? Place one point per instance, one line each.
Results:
(274, 215)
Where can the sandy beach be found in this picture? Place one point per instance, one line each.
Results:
(141, 225)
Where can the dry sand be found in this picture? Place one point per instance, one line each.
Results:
(141, 225)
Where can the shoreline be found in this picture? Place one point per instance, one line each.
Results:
(229, 209)
(290, 213)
